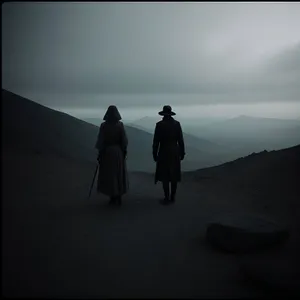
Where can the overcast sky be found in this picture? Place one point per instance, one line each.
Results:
(84, 56)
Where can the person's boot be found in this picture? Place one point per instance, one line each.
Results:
(112, 201)
(172, 199)
(173, 191)
(166, 199)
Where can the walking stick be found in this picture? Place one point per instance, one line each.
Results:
(93, 181)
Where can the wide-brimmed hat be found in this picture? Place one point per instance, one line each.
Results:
(112, 113)
(167, 111)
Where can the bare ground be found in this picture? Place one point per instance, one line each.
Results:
(57, 243)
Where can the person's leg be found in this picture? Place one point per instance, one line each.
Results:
(166, 190)
(173, 190)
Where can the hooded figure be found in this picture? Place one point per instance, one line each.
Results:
(168, 151)
(112, 146)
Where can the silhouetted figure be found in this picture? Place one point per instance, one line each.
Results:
(112, 146)
(168, 151)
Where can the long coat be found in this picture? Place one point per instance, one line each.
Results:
(168, 147)
(112, 145)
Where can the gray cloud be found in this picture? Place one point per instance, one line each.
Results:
(224, 52)
(287, 61)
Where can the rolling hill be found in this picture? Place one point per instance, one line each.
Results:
(66, 136)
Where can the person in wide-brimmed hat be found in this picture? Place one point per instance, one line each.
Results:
(112, 146)
(168, 151)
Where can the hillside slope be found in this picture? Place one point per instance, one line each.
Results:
(31, 127)
(270, 179)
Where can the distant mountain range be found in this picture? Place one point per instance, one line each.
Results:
(148, 123)
(246, 134)
(234, 137)
(29, 126)
(204, 145)
(253, 123)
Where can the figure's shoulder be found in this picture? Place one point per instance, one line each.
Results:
(158, 126)
(176, 123)
(121, 125)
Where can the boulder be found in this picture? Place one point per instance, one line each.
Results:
(241, 233)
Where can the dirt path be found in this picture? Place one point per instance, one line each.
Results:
(56, 243)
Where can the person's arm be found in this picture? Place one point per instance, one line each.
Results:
(181, 142)
(124, 140)
(155, 144)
